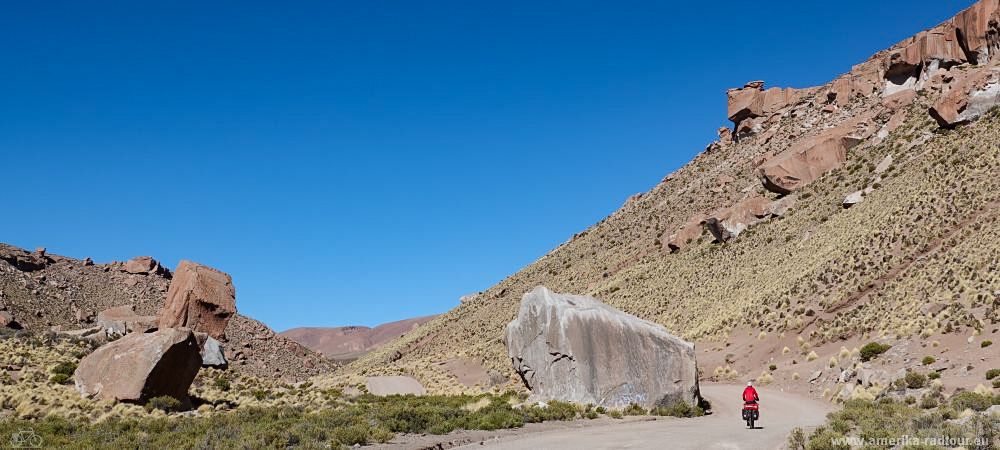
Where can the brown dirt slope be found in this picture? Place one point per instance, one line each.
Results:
(46, 292)
(925, 234)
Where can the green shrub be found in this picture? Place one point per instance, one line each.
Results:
(678, 409)
(928, 360)
(772, 367)
(222, 383)
(996, 383)
(992, 373)
(615, 414)
(915, 380)
(797, 439)
(601, 410)
(934, 375)
(985, 344)
(872, 350)
(970, 400)
(164, 403)
(554, 410)
(260, 394)
(59, 378)
(634, 410)
(65, 367)
(360, 435)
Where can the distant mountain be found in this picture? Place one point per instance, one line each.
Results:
(351, 342)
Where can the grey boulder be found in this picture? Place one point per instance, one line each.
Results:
(578, 349)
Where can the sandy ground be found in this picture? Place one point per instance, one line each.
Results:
(723, 429)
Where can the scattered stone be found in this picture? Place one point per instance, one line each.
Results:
(200, 298)
(212, 354)
(854, 198)
(7, 321)
(577, 349)
(141, 366)
(121, 320)
(144, 265)
(815, 376)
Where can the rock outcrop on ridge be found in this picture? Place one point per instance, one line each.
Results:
(200, 298)
(575, 348)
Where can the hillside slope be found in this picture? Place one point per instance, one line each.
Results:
(753, 237)
(43, 291)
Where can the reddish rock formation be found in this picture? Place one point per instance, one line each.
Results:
(810, 158)
(7, 321)
(753, 101)
(967, 99)
(728, 223)
(144, 265)
(691, 231)
(200, 298)
(23, 260)
(141, 366)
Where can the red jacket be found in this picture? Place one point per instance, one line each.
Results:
(750, 394)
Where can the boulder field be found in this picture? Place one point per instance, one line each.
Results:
(575, 348)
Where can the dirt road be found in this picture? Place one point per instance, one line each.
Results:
(723, 429)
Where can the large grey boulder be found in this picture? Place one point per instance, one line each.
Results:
(577, 349)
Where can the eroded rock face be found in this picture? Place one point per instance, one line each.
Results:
(200, 298)
(752, 101)
(577, 349)
(730, 222)
(968, 98)
(141, 366)
(810, 158)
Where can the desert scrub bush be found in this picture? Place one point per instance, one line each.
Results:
(365, 419)
(222, 383)
(615, 414)
(554, 410)
(634, 409)
(872, 349)
(992, 373)
(62, 372)
(915, 380)
(970, 400)
(678, 409)
(796, 439)
(164, 403)
(985, 343)
(934, 376)
(928, 360)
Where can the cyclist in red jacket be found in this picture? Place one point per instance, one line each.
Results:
(750, 394)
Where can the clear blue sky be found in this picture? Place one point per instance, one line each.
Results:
(361, 162)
